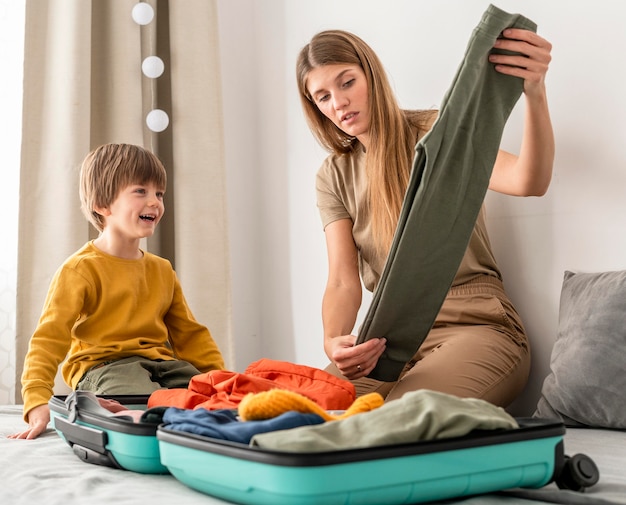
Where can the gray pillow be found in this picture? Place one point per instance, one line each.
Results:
(587, 382)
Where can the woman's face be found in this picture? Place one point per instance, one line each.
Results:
(340, 93)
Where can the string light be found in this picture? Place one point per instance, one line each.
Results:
(152, 67)
(142, 13)
(157, 120)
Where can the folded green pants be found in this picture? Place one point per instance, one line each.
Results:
(447, 187)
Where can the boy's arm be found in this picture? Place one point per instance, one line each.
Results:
(49, 346)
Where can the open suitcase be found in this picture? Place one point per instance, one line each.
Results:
(104, 439)
(530, 456)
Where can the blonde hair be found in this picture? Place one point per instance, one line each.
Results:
(392, 131)
(110, 168)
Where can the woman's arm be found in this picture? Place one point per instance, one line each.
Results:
(340, 305)
(530, 173)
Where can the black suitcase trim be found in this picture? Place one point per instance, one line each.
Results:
(529, 429)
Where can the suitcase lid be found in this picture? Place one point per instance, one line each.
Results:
(82, 411)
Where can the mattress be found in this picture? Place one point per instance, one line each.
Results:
(47, 470)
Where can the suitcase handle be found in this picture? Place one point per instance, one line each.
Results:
(91, 438)
(93, 457)
(89, 444)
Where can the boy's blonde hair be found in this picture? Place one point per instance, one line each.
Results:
(110, 168)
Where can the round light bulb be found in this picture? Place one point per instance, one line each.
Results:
(157, 120)
(142, 13)
(152, 67)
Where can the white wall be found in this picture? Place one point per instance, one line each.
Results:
(279, 263)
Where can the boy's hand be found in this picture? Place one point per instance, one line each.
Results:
(38, 419)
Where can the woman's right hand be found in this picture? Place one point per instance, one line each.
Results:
(355, 361)
(342, 299)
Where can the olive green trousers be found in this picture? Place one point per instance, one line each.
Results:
(449, 179)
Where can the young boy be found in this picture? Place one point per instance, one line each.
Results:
(118, 310)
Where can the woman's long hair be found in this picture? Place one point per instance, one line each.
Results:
(392, 131)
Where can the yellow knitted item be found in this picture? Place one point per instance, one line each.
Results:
(272, 403)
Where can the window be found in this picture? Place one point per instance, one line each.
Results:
(12, 57)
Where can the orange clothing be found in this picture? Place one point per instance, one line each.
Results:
(220, 389)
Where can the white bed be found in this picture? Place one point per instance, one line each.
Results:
(46, 470)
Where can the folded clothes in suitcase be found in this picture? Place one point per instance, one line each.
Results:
(100, 436)
(529, 456)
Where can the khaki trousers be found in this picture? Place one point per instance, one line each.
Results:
(477, 349)
(137, 376)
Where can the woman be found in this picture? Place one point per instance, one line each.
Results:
(477, 346)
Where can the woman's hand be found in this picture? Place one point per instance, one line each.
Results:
(531, 64)
(529, 173)
(38, 419)
(357, 361)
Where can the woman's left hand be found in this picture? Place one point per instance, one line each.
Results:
(530, 173)
(531, 61)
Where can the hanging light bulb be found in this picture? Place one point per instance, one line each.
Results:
(142, 13)
(152, 67)
(157, 120)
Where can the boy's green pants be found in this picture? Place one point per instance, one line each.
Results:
(449, 179)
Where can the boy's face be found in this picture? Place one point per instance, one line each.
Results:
(136, 211)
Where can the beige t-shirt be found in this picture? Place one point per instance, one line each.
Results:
(342, 194)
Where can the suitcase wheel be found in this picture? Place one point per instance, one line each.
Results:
(579, 472)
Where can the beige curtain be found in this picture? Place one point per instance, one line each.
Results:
(83, 87)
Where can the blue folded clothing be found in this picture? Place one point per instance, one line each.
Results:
(224, 425)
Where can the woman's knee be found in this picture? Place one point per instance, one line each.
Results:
(494, 373)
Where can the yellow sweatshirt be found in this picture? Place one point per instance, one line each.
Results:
(101, 308)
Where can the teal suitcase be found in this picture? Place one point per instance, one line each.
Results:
(104, 439)
(530, 456)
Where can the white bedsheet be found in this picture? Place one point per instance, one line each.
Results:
(45, 470)
(607, 448)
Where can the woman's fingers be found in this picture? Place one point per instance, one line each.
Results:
(530, 59)
(358, 361)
